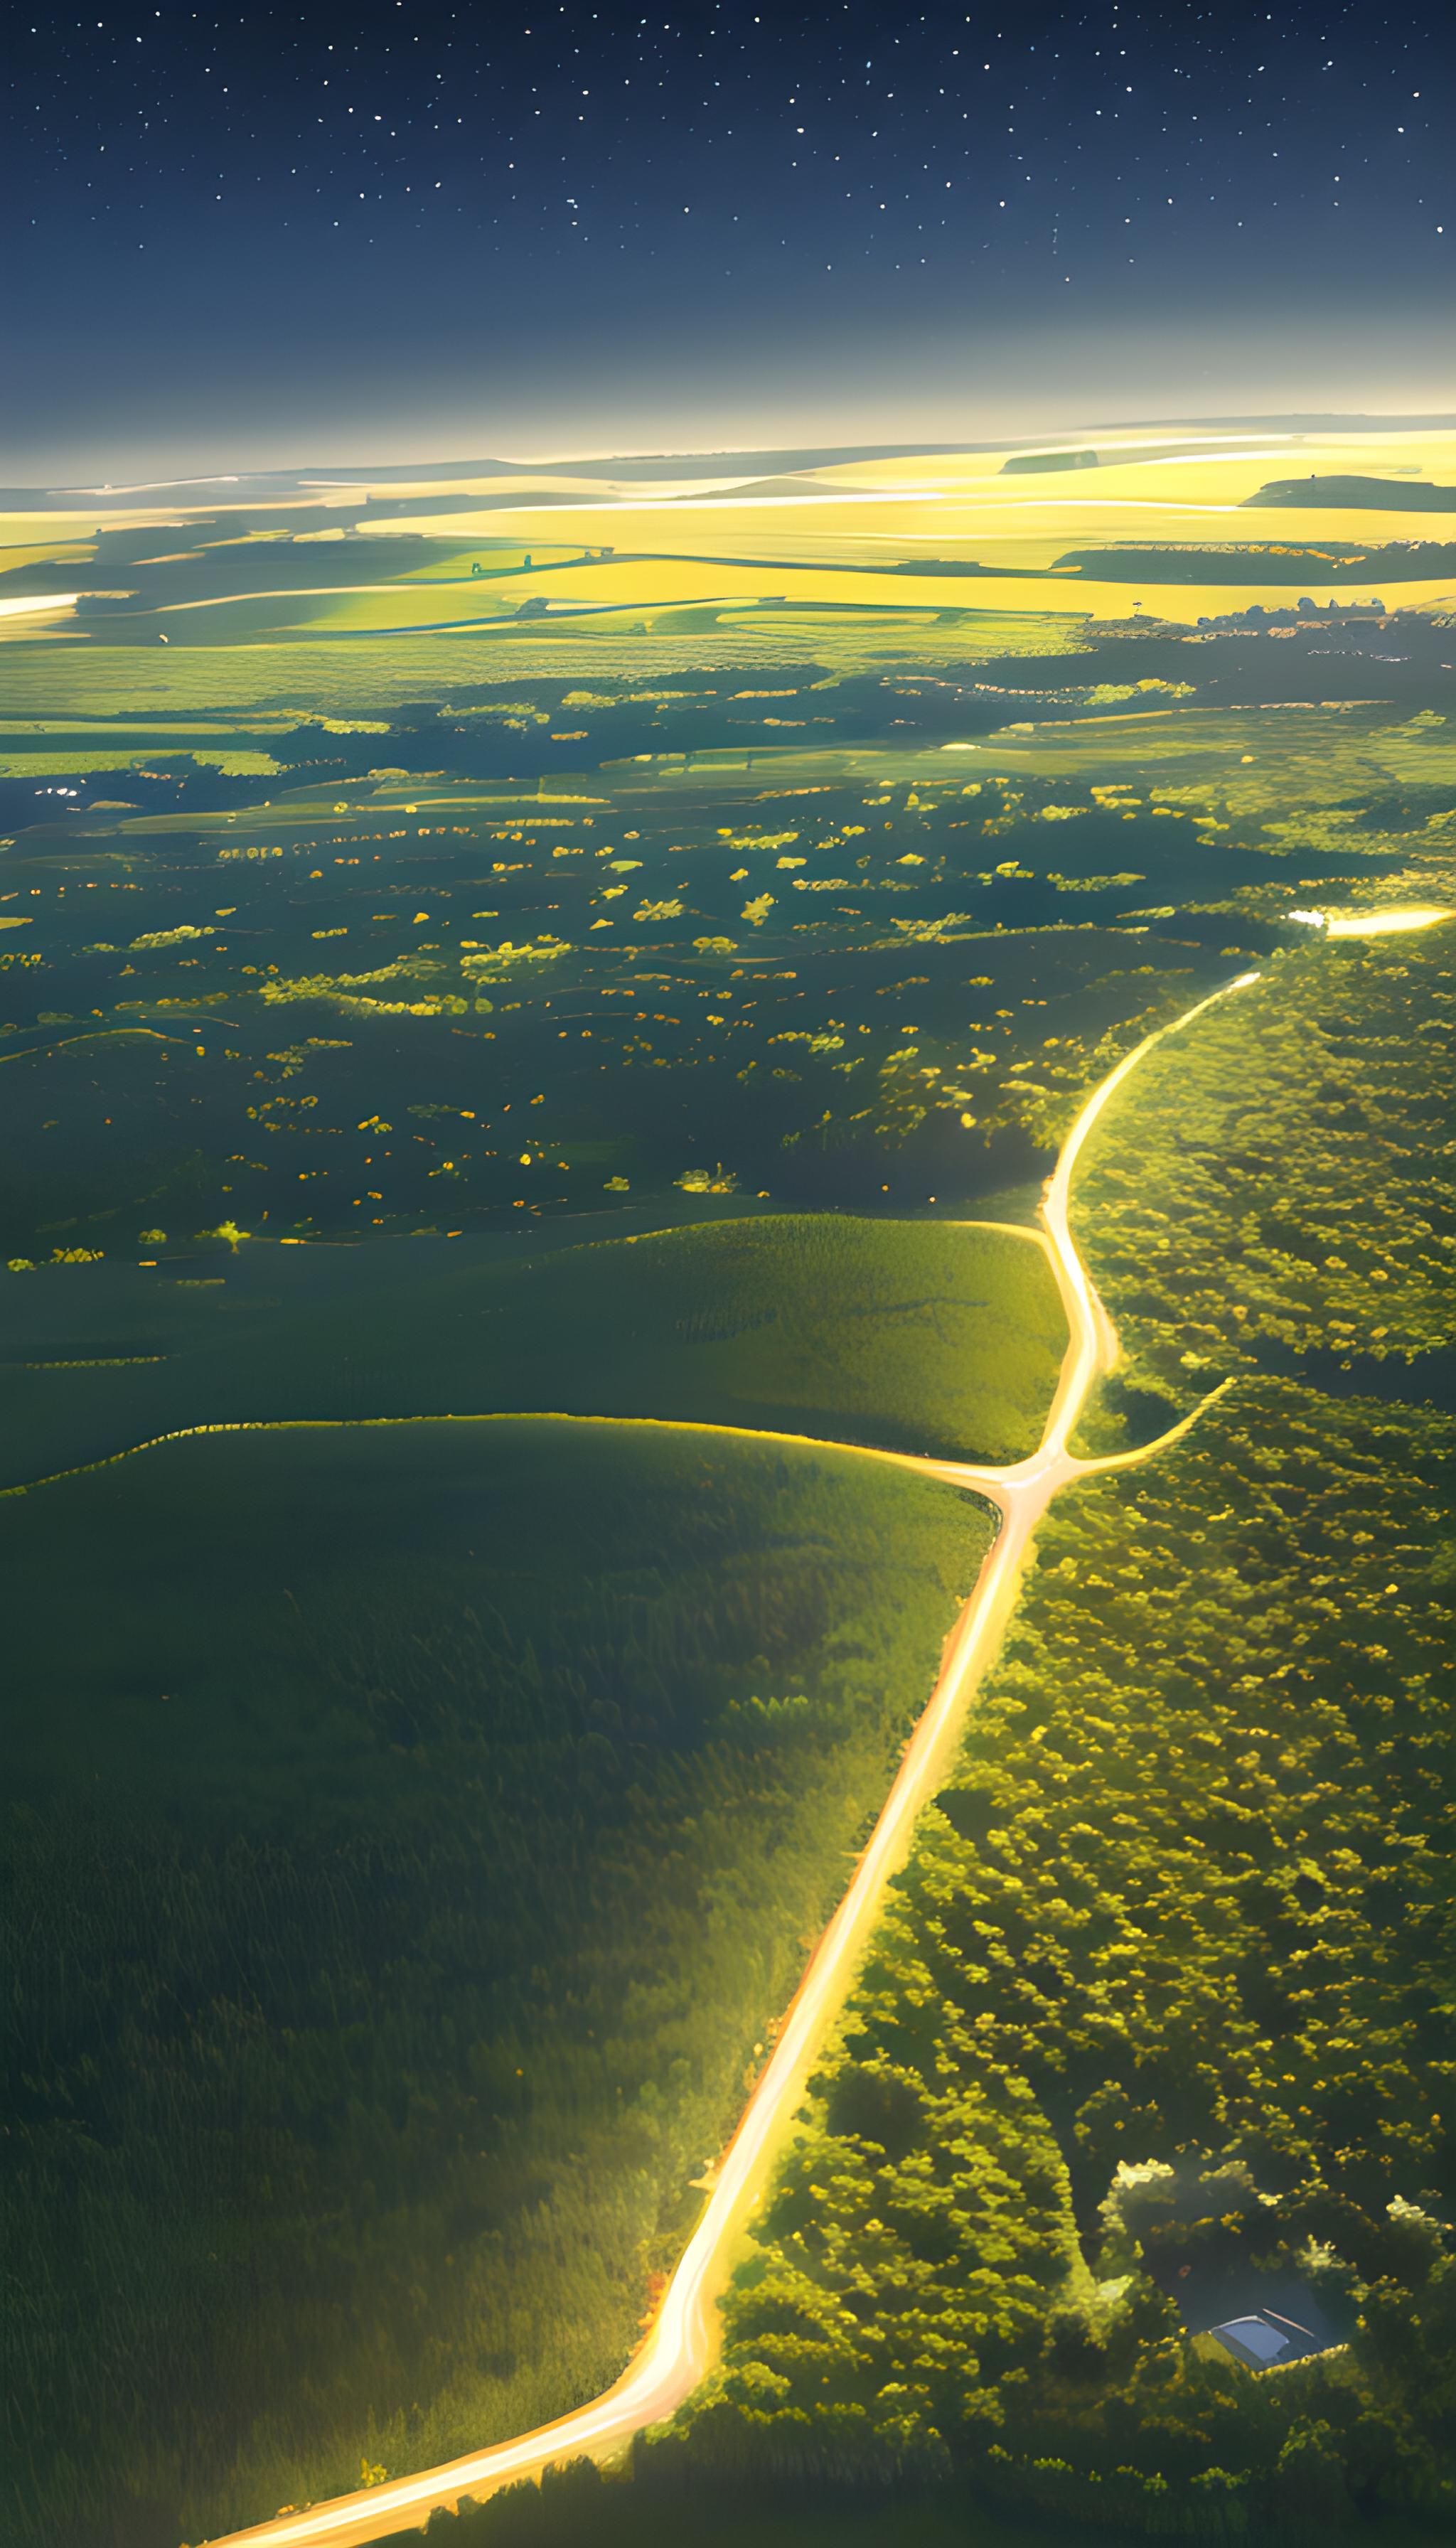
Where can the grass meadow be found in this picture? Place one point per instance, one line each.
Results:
(906, 1335)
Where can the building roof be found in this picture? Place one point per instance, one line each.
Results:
(1252, 2338)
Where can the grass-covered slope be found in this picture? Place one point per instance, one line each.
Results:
(414, 1833)
(920, 1336)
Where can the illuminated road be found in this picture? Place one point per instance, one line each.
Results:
(680, 2347)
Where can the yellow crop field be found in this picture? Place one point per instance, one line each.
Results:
(664, 584)
(1017, 534)
(968, 510)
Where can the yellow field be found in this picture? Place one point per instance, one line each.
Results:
(830, 537)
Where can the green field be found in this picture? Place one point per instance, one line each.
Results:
(421, 1823)
(375, 673)
(916, 1337)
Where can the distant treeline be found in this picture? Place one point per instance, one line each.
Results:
(1333, 562)
(1349, 494)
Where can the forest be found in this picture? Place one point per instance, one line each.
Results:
(1287, 1204)
(1165, 1987)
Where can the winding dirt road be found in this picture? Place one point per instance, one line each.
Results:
(680, 2347)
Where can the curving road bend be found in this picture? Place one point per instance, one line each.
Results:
(678, 2350)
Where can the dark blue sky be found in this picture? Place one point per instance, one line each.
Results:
(276, 234)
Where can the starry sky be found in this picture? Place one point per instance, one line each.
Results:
(271, 236)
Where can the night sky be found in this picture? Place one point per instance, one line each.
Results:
(273, 235)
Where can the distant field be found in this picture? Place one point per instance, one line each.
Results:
(375, 673)
(845, 559)
(1322, 751)
(359, 596)
(413, 1834)
(918, 1336)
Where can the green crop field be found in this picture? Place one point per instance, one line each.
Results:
(917, 1337)
(425, 1820)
